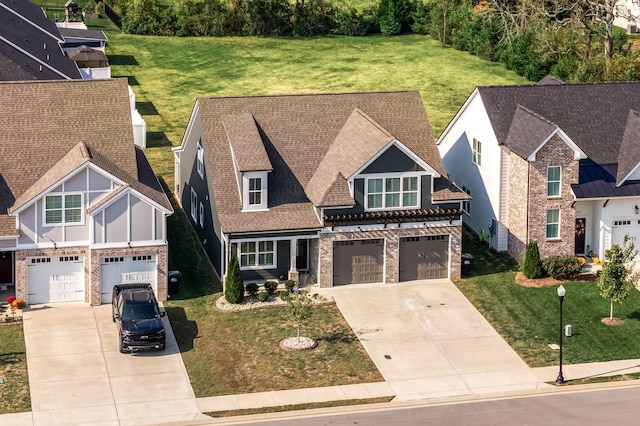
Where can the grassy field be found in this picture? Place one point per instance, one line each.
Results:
(14, 392)
(168, 74)
(528, 318)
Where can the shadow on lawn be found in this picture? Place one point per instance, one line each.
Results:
(339, 337)
(185, 330)
(485, 259)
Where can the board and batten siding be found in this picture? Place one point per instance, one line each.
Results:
(484, 181)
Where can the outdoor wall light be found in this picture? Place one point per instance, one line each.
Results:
(637, 209)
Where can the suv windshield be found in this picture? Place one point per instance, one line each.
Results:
(139, 311)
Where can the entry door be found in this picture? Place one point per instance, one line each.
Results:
(580, 235)
(6, 267)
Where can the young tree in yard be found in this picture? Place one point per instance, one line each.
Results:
(617, 279)
(532, 265)
(233, 285)
(299, 308)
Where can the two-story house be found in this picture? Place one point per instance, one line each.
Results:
(552, 162)
(80, 207)
(349, 188)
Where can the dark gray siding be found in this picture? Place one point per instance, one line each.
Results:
(392, 161)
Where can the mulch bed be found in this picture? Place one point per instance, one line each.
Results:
(548, 281)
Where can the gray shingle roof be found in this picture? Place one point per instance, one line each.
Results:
(246, 143)
(629, 154)
(527, 131)
(298, 131)
(93, 35)
(593, 115)
(32, 43)
(46, 135)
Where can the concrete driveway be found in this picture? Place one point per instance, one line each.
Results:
(78, 376)
(428, 341)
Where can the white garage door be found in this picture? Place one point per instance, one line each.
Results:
(55, 279)
(116, 270)
(621, 227)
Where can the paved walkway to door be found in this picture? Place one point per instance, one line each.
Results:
(428, 341)
(78, 376)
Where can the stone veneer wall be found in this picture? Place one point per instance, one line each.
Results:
(21, 266)
(162, 267)
(392, 247)
(554, 153)
(518, 202)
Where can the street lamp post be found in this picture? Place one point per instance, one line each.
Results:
(561, 290)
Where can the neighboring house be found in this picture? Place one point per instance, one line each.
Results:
(30, 45)
(553, 162)
(74, 37)
(80, 207)
(627, 15)
(91, 62)
(345, 187)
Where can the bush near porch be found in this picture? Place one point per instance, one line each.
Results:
(528, 317)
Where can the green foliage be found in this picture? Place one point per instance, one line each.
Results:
(233, 286)
(349, 21)
(299, 308)
(290, 284)
(521, 56)
(252, 288)
(263, 296)
(395, 16)
(562, 266)
(285, 294)
(420, 19)
(617, 279)
(532, 265)
(271, 286)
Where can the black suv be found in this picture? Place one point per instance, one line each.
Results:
(136, 311)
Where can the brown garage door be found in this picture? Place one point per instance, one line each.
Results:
(425, 257)
(358, 261)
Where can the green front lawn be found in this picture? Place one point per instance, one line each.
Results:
(14, 392)
(528, 318)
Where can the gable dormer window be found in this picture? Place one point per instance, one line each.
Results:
(62, 209)
(395, 192)
(200, 160)
(254, 191)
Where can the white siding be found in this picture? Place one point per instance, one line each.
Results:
(483, 181)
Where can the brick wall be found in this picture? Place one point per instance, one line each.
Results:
(554, 153)
(392, 246)
(518, 201)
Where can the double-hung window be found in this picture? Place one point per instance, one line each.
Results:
(257, 254)
(62, 209)
(553, 224)
(200, 160)
(194, 206)
(553, 181)
(392, 192)
(255, 191)
(477, 152)
(201, 215)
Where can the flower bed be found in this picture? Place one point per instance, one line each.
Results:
(252, 302)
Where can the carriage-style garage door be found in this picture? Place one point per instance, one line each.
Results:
(358, 261)
(620, 228)
(116, 270)
(55, 279)
(424, 257)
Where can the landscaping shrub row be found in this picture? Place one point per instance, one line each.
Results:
(561, 267)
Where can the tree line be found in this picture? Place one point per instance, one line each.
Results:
(572, 40)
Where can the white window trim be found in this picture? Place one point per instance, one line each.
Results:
(559, 194)
(246, 177)
(547, 223)
(384, 177)
(257, 266)
(194, 205)
(63, 221)
(200, 160)
(202, 214)
(466, 205)
(476, 153)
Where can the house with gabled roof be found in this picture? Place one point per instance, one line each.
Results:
(80, 207)
(552, 162)
(346, 187)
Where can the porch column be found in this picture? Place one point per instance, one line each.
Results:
(293, 269)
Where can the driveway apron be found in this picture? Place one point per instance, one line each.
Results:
(78, 376)
(428, 341)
